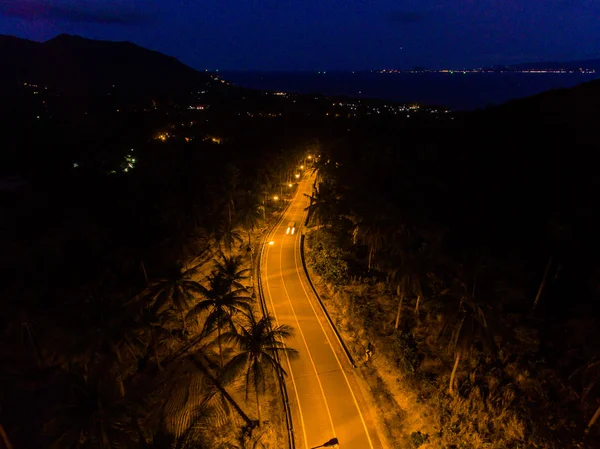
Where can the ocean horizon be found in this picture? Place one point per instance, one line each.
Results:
(456, 91)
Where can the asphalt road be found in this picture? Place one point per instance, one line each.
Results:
(325, 399)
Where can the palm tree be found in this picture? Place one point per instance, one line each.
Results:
(201, 362)
(372, 232)
(155, 320)
(401, 290)
(590, 377)
(259, 345)
(94, 414)
(227, 236)
(231, 182)
(230, 267)
(189, 396)
(559, 233)
(244, 440)
(249, 215)
(105, 336)
(323, 204)
(178, 290)
(222, 302)
(470, 326)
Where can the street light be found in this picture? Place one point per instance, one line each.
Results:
(290, 184)
(297, 175)
(275, 198)
(302, 167)
(309, 156)
(271, 243)
(331, 443)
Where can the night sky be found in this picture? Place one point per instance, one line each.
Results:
(324, 34)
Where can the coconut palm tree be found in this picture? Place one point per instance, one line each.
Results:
(156, 321)
(177, 290)
(105, 335)
(589, 374)
(190, 399)
(227, 236)
(231, 268)
(94, 414)
(221, 302)
(244, 440)
(249, 216)
(323, 204)
(259, 346)
(230, 189)
(373, 233)
(202, 362)
(470, 326)
(249, 213)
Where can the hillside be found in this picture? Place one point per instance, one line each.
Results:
(574, 105)
(75, 66)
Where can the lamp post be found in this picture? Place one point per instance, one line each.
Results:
(331, 443)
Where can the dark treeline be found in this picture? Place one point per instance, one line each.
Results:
(482, 229)
(103, 270)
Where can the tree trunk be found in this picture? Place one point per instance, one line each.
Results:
(399, 308)
(453, 375)
(5, 440)
(155, 349)
(417, 306)
(183, 350)
(557, 272)
(542, 285)
(182, 320)
(257, 405)
(144, 271)
(251, 263)
(200, 364)
(220, 348)
(370, 259)
(593, 420)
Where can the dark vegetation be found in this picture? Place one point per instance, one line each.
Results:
(470, 238)
(108, 318)
(474, 242)
(128, 315)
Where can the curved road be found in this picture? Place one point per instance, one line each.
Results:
(325, 399)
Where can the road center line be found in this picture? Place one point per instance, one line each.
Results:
(266, 262)
(302, 335)
(296, 255)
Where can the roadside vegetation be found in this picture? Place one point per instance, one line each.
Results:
(129, 317)
(470, 273)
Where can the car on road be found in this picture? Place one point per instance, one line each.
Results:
(291, 229)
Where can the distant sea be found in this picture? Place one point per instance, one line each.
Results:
(457, 91)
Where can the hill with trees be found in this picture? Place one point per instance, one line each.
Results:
(461, 249)
(76, 66)
(464, 253)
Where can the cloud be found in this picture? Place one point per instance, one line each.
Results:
(407, 17)
(81, 12)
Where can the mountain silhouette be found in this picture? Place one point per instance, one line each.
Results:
(76, 66)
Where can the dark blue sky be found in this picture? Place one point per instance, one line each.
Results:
(324, 34)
